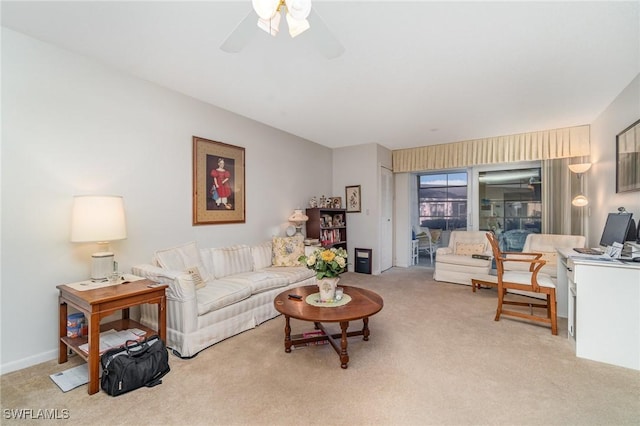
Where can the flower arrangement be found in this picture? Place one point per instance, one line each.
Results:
(327, 263)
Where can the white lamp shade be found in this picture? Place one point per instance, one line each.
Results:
(580, 201)
(98, 218)
(265, 8)
(297, 26)
(298, 216)
(579, 168)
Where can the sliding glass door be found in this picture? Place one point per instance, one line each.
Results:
(510, 204)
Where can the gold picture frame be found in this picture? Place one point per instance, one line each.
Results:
(352, 198)
(218, 182)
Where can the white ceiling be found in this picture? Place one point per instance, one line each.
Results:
(413, 73)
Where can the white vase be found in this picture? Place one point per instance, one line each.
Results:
(327, 288)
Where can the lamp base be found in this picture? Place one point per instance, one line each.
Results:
(101, 265)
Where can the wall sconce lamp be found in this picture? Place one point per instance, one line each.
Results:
(579, 169)
(298, 218)
(98, 219)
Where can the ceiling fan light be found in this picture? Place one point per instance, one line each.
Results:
(580, 201)
(272, 26)
(299, 9)
(297, 26)
(265, 8)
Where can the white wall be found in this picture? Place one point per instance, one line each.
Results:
(601, 178)
(360, 165)
(72, 126)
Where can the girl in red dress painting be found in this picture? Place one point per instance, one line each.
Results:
(221, 185)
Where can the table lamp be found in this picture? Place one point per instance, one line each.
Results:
(99, 219)
(298, 219)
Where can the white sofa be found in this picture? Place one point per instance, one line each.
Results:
(547, 245)
(455, 263)
(216, 293)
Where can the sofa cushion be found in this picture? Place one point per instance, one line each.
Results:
(293, 274)
(467, 249)
(220, 293)
(182, 258)
(231, 260)
(259, 281)
(287, 250)
(262, 255)
(521, 277)
(460, 260)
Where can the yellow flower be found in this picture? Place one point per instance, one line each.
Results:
(328, 255)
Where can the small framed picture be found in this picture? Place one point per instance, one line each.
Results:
(352, 196)
(336, 203)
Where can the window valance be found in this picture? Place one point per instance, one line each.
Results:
(542, 145)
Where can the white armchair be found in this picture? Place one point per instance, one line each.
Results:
(455, 263)
(547, 245)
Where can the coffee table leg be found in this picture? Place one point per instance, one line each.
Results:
(365, 329)
(344, 356)
(287, 335)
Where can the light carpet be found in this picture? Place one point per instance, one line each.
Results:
(435, 357)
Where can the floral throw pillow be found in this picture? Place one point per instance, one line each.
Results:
(287, 250)
(467, 249)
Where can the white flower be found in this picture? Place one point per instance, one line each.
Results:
(311, 260)
(340, 261)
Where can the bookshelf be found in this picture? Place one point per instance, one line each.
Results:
(328, 225)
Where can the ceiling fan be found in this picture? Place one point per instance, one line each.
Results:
(300, 17)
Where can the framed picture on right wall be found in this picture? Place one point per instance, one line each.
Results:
(352, 196)
(628, 159)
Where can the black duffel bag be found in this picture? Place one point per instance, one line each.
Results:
(134, 365)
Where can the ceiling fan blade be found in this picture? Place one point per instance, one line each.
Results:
(241, 35)
(322, 38)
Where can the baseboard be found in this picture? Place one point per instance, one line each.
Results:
(28, 362)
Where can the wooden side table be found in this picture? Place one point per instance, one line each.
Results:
(99, 303)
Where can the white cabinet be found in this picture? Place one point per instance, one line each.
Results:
(603, 305)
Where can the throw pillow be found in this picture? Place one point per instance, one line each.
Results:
(287, 250)
(196, 277)
(467, 249)
(181, 258)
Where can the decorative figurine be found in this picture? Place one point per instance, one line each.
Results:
(313, 202)
(323, 202)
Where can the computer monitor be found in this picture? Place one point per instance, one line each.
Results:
(616, 229)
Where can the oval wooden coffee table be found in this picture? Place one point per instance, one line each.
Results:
(364, 303)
